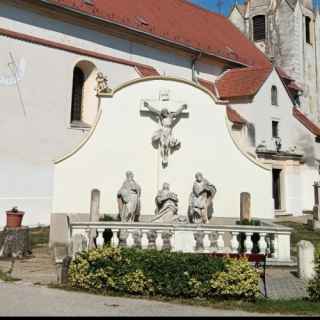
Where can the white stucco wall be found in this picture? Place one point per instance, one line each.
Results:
(122, 141)
(29, 143)
(297, 181)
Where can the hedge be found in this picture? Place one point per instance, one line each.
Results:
(165, 273)
(314, 285)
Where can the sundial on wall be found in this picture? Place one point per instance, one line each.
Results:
(13, 73)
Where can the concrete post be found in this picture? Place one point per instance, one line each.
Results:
(306, 265)
(245, 206)
(94, 214)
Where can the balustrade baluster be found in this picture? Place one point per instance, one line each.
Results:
(100, 239)
(262, 243)
(130, 240)
(206, 242)
(248, 242)
(144, 239)
(220, 242)
(235, 242)
(159, 240)
(115, 239)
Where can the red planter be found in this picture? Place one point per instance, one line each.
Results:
(14, 219)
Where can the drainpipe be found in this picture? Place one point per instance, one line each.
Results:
(193, 66)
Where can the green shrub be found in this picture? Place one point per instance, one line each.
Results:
(165, 273)
(144, 271)
(314, 285)
(239, 280)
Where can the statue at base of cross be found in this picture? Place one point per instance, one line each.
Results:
(201, 200)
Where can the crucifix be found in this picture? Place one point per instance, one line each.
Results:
(167, 119)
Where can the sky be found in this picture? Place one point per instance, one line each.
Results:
(214, 6)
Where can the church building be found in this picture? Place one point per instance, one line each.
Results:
(83, 84)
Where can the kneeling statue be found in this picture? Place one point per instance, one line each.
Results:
(129, 199)
(166, 205)
(200, 201)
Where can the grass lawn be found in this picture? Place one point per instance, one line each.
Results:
(39, 236)
(301, 232)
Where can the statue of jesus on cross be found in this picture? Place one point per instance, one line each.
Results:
(164, 136)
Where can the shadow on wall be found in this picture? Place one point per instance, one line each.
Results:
(306, 144)
(251, 134)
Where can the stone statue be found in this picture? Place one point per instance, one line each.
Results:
(164, 136)
(200, 201)
(102, 83)
(129, 199)
(166, 205)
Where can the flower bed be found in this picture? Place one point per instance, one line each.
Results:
(171, 274)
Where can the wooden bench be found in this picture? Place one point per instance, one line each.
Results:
(259, 260)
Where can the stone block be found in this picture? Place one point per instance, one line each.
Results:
(15, 242)
(59, 229)
(306, 265)
(245, 206)
(62, 270)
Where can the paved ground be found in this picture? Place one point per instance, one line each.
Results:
(38, 268)
(20, 299)
(284, 284)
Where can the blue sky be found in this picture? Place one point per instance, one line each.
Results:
(212, 5)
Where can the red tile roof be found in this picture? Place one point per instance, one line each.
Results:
(241, 82)
(145, 71)
(177, 21)
(292, 85)
(235, 117)
(208, 85)
(310, 125)
(283, 74)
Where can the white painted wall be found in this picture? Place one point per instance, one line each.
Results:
(298, 181)
(29, 143)
(122, 141)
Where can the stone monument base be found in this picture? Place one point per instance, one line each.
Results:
(15, 242)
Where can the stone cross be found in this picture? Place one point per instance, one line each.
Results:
(167, 113)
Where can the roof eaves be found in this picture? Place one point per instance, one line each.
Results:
(306, 122)
(148, 34)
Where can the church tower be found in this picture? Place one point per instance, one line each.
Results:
(288, 32)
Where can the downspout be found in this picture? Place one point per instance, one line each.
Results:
(193, 66)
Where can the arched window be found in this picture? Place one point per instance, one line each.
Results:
(259, 28)
(77, 94)
(84, 103)
(274, 96)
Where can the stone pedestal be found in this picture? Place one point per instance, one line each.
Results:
(245, 206)
(62, 270)
(15, 242)
(305, 260)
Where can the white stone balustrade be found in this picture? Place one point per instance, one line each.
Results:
(182, 237)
